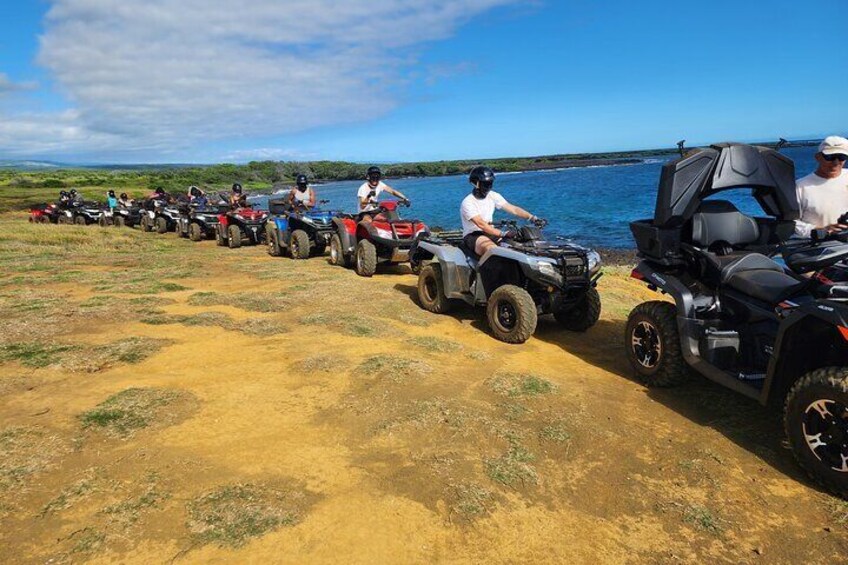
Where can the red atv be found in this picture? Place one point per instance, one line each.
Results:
(241, 225)
(44, 214)
(385, 239)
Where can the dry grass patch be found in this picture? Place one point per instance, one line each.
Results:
(323, 363)
(348, 324)
(393, 368)
(520, 385)
(231, 515)
(26, 451)
(253, 302)
(123, 414)
(513, 468)
(435, 344)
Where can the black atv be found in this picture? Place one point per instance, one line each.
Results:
(524, 276)
(82, 213)
(199, 221)
(740, 318)
(297, 231)
(126, 216)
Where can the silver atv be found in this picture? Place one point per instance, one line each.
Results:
(524, 277)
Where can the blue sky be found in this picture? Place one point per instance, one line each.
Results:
(400, 80)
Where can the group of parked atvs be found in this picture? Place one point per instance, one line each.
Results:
(751, 307)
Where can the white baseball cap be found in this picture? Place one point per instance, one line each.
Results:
(834, 145)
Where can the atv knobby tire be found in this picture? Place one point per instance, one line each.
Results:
(161, 225)
(815, 412)
(234, 236)
(146, 224)
(220, 240)
(337, 256)
(299, 245)
(512, 314)
(273, 242)
(195, 232)
(431, 290)
(583, 314)
(102, 221)
(119, 221)
(80, 221)
(365, 260)
(652, 342)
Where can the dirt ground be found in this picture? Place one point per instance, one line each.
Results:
(165, 401)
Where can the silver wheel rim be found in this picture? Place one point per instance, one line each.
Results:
(646, 345)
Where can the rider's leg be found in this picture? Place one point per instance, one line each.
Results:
(483, 244)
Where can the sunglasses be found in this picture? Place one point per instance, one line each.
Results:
(835, 157)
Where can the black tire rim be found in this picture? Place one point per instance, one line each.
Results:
(506, 315)
(825, 427)
(646, 345)
(430, 289)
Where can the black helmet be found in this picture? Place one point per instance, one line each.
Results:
(482, 178)
(237, 188)
(73, 192)
(111, 193)
(374, 174)
(301, 181)
(124, 196)
(63, 193)
(159, 190)
(194, 191)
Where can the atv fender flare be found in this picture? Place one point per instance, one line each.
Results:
(456, 270)
(821, 325)
(347, 234)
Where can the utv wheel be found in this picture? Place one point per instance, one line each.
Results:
(431, 290)
(195, 232)
(653, 344)
(366, 258)
(234, 237)
(512, 314)
(102, 222)
(337, 256)
(80, 221)
(582, 315)
(119, 222)
(299, 245)
(161, 225)
(273, 242)
(816, 422)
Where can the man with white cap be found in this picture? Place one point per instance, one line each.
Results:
(823, 194)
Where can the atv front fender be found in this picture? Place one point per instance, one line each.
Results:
(456, 270)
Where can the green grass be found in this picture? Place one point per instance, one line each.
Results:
(702, 518)
(348, 324)
(252, 302)
(393, 367)
(231, 515)
(323, 363)
(133, 409)
(435, 344)
(520, 385)
(512, 468)
(33, 354)
(555, 433)
(471, 500)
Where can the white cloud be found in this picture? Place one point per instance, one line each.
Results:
(268, 154)
(163, 76)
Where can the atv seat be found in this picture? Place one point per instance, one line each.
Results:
(759, 277)
(720, 234)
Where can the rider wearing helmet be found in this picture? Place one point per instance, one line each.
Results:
(238, 198)
(74, 196)
(371, 189)
(478, 208)
(301, 194)
(196, 196)
(64, 197)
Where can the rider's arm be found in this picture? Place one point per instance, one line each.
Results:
(485, 226)
(395, 193)
(516, 211)
(312, 198)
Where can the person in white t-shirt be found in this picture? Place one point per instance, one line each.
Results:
(823, 194)
(478, 208)
(371, 189)
(302, 195)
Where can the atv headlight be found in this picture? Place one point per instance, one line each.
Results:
(385, 234)
(547, 269)
(594, 259)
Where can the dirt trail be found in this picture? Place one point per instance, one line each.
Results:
(346, 424)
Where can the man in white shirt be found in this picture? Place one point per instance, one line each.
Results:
(478, 208)
(823, 195)
(371, 189)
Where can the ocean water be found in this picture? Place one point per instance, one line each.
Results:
(591, 205)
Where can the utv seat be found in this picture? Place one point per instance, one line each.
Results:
(759, 277)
